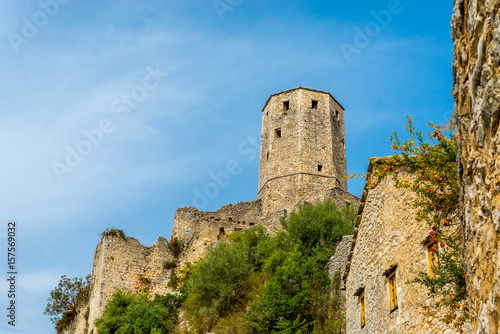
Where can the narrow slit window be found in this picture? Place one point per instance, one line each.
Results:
(432, 259)
(277, 133)
(222, 234)
(320, 168)
(393, 294)
(267, 156)
(362, 309)
(286, 105)
(314, 104)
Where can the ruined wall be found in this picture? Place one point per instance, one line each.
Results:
(338, 261)
(387, 235)
(123, 263)
(476, 65)
(197, 229)
(342, 198)
(302, 148)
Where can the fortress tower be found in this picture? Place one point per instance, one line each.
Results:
(302, 148)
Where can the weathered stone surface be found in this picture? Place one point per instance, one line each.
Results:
(123, 263)
(389, 238)
(476, 35)
(338, 261)
(310, 137)
(302, 148)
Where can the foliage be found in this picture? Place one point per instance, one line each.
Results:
(66, 297)
(173, 281)
(175, 246)
(216, 281)
(128, 313)
(256, 283)
(434, 179)
(167, 265)
(113, 232)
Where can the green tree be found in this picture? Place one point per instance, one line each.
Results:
(65, 298)
(128, 313)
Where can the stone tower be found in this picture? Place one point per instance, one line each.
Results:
(302, 148)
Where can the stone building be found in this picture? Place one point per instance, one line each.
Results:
(389, 248)
(476, 62)
(303, 159)
(302, 148)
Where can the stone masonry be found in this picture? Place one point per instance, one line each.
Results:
(304, 161)
(388, 239)
(476, 65)
(123, 263)
(302, 148)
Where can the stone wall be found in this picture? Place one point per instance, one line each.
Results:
(387, 237)
(476, 65)
(302, 148)
(310, 137)
(197, 229)
(338, 261)
(123, 263)
(342, 198)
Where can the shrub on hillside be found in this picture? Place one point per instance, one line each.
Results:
(128, 313)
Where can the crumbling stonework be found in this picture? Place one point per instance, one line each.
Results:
(302, 148)
(476, 65)
(123, 263)
(303, 162)
(388, 239)
(197, 229)
(338, 261)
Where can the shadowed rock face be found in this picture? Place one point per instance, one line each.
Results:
(476, 35)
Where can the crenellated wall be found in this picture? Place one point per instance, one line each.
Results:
(476, 68)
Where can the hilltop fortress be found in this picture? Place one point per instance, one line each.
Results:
(303, 159)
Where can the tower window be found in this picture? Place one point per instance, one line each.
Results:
(277, 133)
(320, 167)
(267, 155)
(286, 105)
(314, 104)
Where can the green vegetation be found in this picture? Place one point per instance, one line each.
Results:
(434, 179)
(64, 300)
(169, 264)
(257, 283)
(113, 232)
(128, 313)
(251, 282)
(175, 247)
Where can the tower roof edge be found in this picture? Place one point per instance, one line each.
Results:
(300, 87)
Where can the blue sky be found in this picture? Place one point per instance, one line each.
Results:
(168, 91)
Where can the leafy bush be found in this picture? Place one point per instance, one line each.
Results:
(257, 283)
(173, 281)
(167, 265)
(127, 313)
(216, 281)
(175, 247)
(66, 297)
(113, 232)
